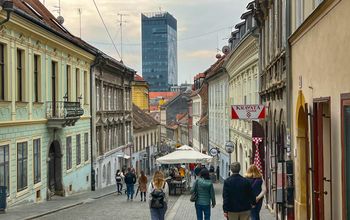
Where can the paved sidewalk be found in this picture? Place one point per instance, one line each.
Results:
(184, 209)
(35, 210)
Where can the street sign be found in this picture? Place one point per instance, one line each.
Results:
(248, 111)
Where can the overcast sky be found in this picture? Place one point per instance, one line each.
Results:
(202, 27)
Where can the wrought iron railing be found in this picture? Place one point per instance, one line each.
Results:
(63, 109)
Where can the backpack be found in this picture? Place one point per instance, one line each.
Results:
(118, 178)
(158, 197)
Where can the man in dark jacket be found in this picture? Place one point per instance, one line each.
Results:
(237, 195)
(130, 180)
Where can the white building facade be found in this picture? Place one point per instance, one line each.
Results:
(242, 67)
(219, 119)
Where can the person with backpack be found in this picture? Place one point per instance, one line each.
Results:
(158, 196)
(143, 185)
(204, 190)
(130, 180)
(118, 179)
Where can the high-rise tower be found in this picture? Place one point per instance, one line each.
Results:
(159, 50)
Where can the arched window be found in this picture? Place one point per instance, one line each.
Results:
(104, 173)
(109, 173)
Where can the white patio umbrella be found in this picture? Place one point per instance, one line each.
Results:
(185, 155)
(185, 147)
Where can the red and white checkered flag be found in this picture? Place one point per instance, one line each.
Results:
(257, 157)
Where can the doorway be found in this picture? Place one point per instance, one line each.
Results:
(322, 154)
(345, 121)
(55, 170)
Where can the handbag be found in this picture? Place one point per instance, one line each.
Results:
(194, 194)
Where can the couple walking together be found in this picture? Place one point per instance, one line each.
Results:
(130, 180)
(242, 197)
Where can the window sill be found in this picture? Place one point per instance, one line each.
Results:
(69, 171)
(37, 185)
(78, 166)
(22, 193)
(22, 104)
(4, 103)
(37, 103)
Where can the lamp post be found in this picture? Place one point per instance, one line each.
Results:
(229, 147)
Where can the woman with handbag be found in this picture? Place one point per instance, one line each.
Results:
(158, 196)
(143, 186)
(259, 189)
(202, 194)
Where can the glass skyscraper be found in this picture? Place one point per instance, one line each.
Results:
(159, 50)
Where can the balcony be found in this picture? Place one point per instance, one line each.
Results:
(62, 113)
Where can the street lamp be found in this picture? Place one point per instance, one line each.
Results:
(229, 147)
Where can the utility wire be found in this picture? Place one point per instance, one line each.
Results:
(179, 40)
(109, 35)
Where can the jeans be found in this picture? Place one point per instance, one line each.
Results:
(158, 214)
(130, 190)
(200, 209)
(119, 187)
(254, 212)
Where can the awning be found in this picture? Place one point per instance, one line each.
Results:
(126, 156)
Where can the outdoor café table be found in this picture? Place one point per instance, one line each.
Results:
(177, 185)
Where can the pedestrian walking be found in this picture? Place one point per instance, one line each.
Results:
(143, 185)
(158, 196)
(238, 196)
(130, 180)
(197, 170)
(259, 189)
(119, 180)
(204, 190)
(218, 172)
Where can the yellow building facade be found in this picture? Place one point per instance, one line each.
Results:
(140, 93)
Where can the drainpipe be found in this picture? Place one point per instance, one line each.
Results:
(6, 5)
(289, 100)
(96, 62)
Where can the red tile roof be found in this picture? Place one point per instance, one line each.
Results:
(137, 77)
(165, 95)
(142, 119)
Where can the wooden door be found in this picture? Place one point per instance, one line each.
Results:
(345, 112)
(322, 160)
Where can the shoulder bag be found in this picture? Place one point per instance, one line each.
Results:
(194, 194)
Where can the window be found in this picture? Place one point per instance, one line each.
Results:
(86, 146)
(68, 82)
(97, 95)
(36, 78)
(2, 72)
(22, 162)
(78, 150)
(69, 153)
(86, 88)
(20, 78)
(77, 84)
(37, 160)
(4, 166)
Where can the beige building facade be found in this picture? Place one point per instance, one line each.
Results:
(321, 109)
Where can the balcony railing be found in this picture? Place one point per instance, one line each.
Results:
(63, 113)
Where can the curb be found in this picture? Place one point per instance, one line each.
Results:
(65, 207)
(53, 211)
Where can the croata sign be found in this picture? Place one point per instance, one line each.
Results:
(248, 112)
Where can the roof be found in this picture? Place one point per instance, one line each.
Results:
(165, 95)
(245, 14)
(215, 67)
(137, 77)
(239, 24)
(37, 13)
(184, 119)
(203, 121)
(141, 119)
(180, 116)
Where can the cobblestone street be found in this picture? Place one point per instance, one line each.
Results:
(105, 204)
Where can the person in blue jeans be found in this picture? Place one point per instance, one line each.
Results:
(204, 188)
(130, 180)
(259, 189)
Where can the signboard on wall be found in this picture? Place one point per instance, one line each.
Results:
(248, 112)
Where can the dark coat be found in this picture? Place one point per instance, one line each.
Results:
(130, 178)
(238, 195)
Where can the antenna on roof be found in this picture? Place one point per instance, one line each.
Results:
(60, 19)
(121, 34)
(79, 11)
